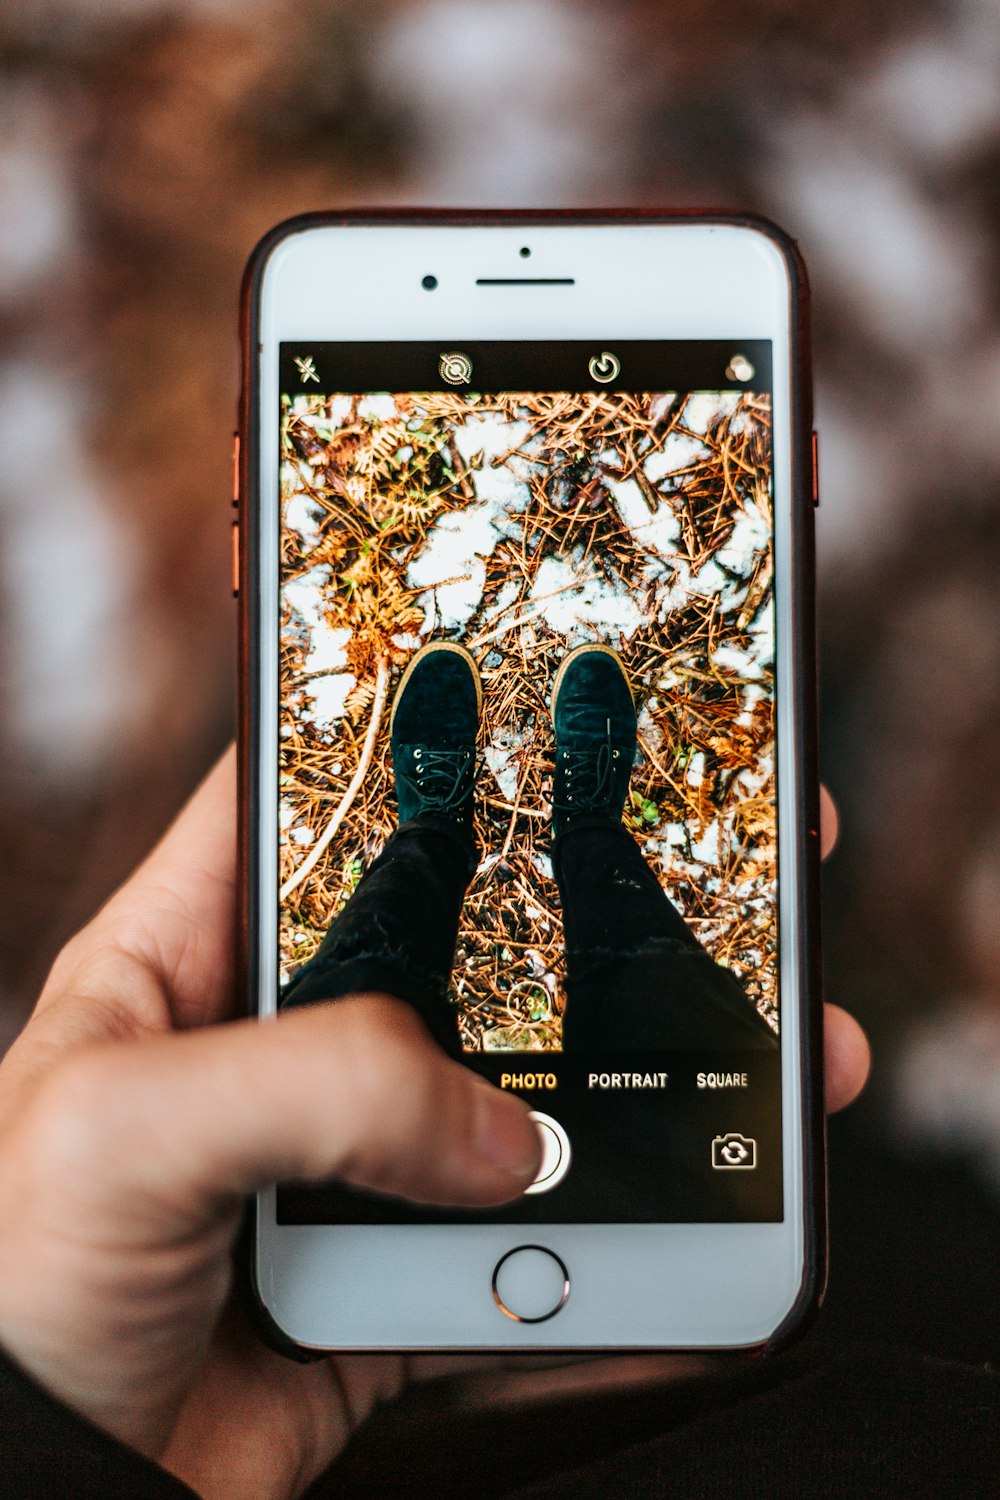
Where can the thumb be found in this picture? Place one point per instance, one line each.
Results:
(354, 1089)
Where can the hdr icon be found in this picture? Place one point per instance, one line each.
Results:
(734, 1152)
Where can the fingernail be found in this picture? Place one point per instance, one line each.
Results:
(504, 1132)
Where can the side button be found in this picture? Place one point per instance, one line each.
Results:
(236, 559)
(236, 468)
(815, 460)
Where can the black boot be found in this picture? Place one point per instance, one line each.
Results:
(594, 719)
(434, 723)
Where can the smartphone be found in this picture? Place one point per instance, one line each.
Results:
(528, 738)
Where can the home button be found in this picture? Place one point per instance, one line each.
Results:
(530, 1284)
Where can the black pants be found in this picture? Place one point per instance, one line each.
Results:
(636, 977)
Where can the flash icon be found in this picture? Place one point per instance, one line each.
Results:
(306, 368)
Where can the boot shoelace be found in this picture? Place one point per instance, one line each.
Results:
(587, 777)
(439, 777)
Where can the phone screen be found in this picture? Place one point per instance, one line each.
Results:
(527, 748)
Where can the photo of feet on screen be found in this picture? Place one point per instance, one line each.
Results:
(527, 696)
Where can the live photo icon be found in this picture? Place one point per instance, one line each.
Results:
(734, 1152)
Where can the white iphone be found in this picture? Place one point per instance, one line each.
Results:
(528, 740)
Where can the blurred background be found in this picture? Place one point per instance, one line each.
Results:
(144, 147)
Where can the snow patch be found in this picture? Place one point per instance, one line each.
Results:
(328, 651)
(705, 850)
(660, 406)
(696, 769)
(327, 422)
(709, 579)
(679, 451)
(704, 408)
(304, 595)
(304, 516)
(377, 408)
(501, 755)
(751, 533)
(489, 434)
(649, 731)
(505, 599)
(579, 604)
(450, 571)
(329, 696)
(733, 659)
(501, 761)
(652, 531)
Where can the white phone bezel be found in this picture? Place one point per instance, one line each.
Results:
(633, 1285)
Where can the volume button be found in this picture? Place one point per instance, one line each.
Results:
(815, 466)
(236, 468)
(236, 559)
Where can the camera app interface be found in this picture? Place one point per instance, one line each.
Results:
(526, 747)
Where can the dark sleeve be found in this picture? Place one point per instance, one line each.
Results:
(48, 1452)
(880, 1423)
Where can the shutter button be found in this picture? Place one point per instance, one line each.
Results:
(556, 1153)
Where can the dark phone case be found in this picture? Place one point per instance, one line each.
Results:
(813, 1118)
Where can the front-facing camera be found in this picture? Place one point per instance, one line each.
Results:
(429, 283)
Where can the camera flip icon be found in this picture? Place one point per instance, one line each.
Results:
(734, 1152)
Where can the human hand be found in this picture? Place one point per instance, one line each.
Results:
(132, 1128)
(133, 1125)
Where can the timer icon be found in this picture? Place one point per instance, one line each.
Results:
(604, 367)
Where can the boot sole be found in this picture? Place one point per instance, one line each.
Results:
(427, 650)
